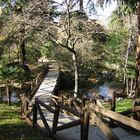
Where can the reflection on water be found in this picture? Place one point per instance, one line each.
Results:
(14, 98)
(104, 91)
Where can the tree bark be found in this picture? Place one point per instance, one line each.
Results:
(22, 45)
(8, 93)
(76, 73)
(23, 52)
(137, 80)
(126, 59)
(81, 5)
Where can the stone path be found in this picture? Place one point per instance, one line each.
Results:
(44, 94)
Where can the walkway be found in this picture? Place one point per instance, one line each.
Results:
(45, 90)
(44, 94)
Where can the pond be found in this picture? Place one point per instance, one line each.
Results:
(14, 98)
(105, 90)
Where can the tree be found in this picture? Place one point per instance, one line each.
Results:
(77, 34)
(130, 6)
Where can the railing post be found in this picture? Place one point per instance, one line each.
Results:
(22, 105)
(81, 126)
(113, 102)
(113, 107)
(82, 118)
(34, 114)
(84, 122)
(85, 125)
(55, 118)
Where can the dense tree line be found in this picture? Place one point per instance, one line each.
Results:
(33, 29)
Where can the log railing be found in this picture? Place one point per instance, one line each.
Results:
(90, 115)
(55, 110)
(26, 108)
(91, 112)
(37, 81)
(94, 112)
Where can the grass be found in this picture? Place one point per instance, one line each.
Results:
(121, 106)
(12, 127)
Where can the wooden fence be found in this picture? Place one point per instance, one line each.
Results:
(92, 114)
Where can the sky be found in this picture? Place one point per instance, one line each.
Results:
(102, 15)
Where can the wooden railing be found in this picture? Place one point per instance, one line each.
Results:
(26, 103)
(94, 113)
(37, 81)
(26, 108)
(55, 110)
(91, 114)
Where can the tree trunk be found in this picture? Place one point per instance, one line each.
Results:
(126, 59)
(8, 93)
(9, 54)
(22, 45)
(81, 5)
(76, 73)
(23, 52)
(137, 80)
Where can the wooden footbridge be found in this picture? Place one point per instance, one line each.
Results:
(44, 110)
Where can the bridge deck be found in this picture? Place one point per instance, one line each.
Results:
(44, 94)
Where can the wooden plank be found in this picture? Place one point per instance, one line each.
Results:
(44, 105)
(49, 133)
(29, 112)
(68, 125)
(130, 111)
(28, 100)
(105, 129)
(116, 116)
(135, 109)
(113, 107)
(55, 119)
(81, 127)
(85, 126)
(76, 113)
(34, 115)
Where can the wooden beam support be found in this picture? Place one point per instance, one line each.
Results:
(34, 114)
(76, 113)
(68, 125)
(44, 105)
(55, 119)
(85, 126)
(48, 130)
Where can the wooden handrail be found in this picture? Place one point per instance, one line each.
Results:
(105, 129)
(67, 125)
(44, 105)
(116, 116)
(130, 111)
(76, 113)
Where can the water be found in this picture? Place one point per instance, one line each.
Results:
(14, 98)
(104, 91)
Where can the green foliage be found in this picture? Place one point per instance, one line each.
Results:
(116, 49)
(12, 73)
(10, 6)
(13, 128)
(122, 105)
(47, 48)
